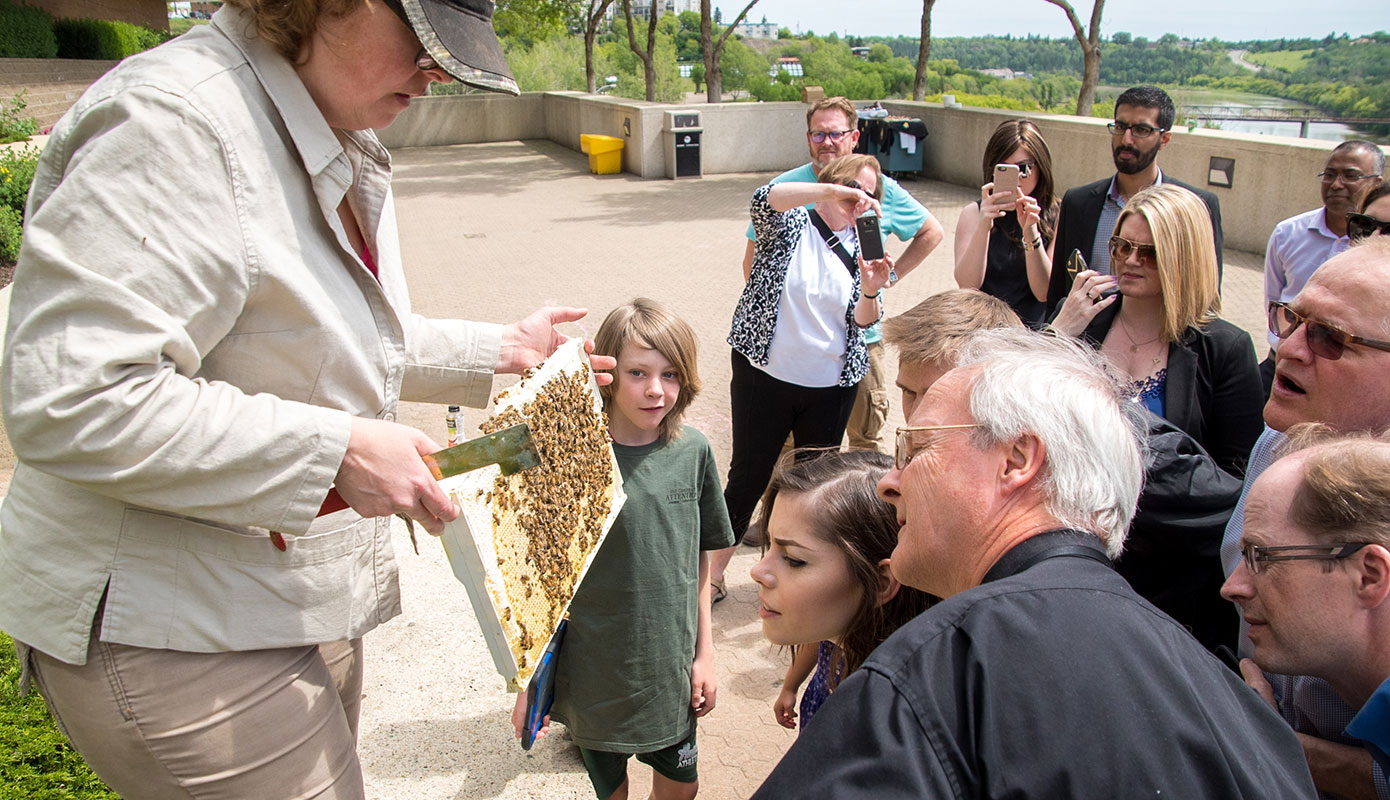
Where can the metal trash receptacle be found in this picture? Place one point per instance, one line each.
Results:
(683, 132)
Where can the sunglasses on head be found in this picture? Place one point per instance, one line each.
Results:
(1324, 340)
(1359, 226)
(1120, 249)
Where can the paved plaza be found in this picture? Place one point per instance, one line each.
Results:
(490, 232)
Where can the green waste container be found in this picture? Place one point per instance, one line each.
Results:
(605, 153)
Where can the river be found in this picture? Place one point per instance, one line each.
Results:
(1331, 131)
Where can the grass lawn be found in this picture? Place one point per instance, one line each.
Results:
(1288, 60)
(36, 761)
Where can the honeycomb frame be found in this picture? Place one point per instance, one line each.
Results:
(524, 542)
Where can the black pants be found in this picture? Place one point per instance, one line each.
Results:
(764, 411)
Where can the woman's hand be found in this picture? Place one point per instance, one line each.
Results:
(855, 202)
(1029, 215)
(530, 341)
(1085, 301)
(382, 474)
(784, 707)
(994, 206)
(873, 275)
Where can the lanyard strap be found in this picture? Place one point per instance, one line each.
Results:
(836, 246)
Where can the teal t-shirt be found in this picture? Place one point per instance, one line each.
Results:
(903, 216)
(622, 683)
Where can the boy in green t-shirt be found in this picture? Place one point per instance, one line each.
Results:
(637, 667)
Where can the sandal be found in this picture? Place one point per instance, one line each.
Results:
(718, 591)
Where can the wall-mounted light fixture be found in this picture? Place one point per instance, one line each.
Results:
(1220, 171)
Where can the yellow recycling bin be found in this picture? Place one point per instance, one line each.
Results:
(605, 153)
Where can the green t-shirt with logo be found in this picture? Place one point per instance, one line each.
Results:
(623, 678)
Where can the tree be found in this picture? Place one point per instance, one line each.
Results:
(713, 48)
(1121, 37)
(531, 20)
(919, 80)
(645, 55)
(697, 74)
(1090, 51)
(593, 17)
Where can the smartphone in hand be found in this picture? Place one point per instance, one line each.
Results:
(1005, 179)
(870, 239)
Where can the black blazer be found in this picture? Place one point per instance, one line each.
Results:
(1076, 230)
(1213, 392)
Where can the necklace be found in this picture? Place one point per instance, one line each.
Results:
(1134, 346)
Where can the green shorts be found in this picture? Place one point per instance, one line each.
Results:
(607, 771)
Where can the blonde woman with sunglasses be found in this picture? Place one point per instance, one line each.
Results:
(1156, 319)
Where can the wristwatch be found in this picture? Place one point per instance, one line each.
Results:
(892, 276)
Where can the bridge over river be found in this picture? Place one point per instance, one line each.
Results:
(1236, 112)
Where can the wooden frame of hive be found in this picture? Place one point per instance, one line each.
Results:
(524, 542)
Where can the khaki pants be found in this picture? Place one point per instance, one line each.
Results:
(257, 724)
(870, 411)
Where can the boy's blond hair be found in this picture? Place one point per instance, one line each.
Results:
(937, 328)
(647, 323)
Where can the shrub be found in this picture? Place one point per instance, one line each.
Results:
(17, 165)
(101, 38)
(13, 126)
(26, 32)
(11, 234)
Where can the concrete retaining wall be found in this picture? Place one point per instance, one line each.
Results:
(50, 85)
(1273, 177)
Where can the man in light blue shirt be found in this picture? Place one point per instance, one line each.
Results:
(832, 131)
(1301, 243)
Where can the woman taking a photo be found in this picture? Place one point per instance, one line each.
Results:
(1157, 321)
(1004, 239)
(210, 328)
(797, 337)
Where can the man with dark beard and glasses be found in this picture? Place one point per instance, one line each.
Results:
(1142, 126)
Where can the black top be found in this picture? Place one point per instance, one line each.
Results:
(1006, 271)
(1076, 230)
(1213, 392)
(1057, 681)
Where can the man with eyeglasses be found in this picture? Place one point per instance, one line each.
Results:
(832, 131)
(1040, 673)
(1143, 126)
(1313, 584)
(1332, 367)
(1301, 243)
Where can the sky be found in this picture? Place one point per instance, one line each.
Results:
(1231, 20)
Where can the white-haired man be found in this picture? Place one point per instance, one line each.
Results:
(1040, 673)
(1314, 578)
(1333, 367)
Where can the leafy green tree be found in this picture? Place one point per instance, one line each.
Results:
(1121, 37)
(592, 19)
(647, 53)
(919, 78)
(531, 20)
(712, 46)
(739, 65)
(697, 74)
(1090, 49)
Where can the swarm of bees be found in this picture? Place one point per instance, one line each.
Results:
(546, 522)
